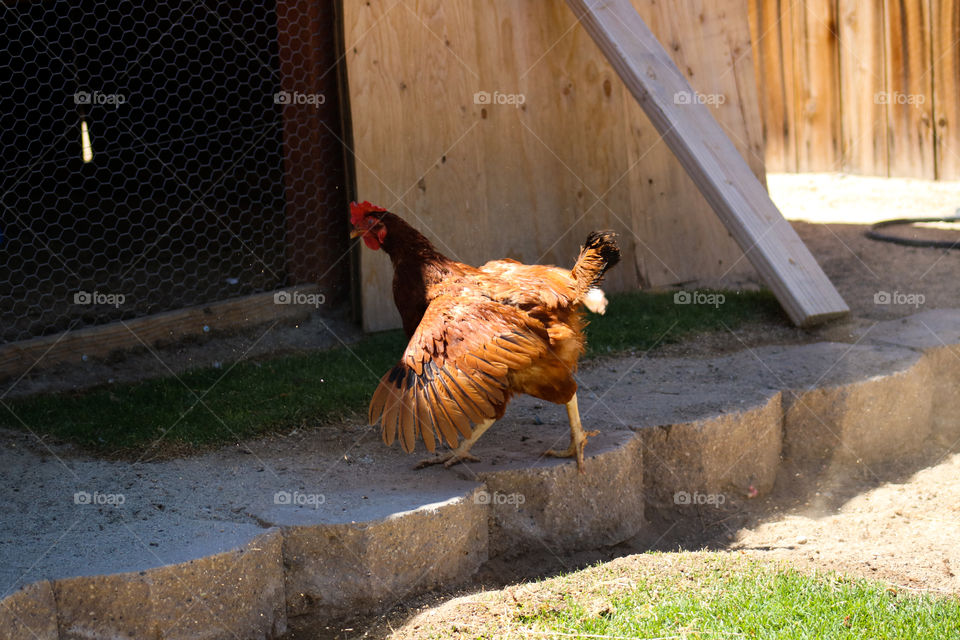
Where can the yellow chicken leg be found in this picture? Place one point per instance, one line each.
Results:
(461, 453)
(578, 437)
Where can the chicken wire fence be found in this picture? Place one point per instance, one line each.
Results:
(165, 155)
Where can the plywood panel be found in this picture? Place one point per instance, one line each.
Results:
(817, 85)
(910, 89)
(549, 190)
(412, 75)
(682, 237)
(946, 87)
(529, 183)
(863, 82)
(771, 29)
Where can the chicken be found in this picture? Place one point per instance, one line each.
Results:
(478, 335)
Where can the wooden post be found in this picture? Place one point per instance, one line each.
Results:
(711, 160)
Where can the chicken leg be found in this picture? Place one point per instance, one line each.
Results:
(578, 437)
(461, 453)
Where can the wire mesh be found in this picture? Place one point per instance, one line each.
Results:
(165, 155)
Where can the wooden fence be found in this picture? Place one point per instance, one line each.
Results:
(863, 86)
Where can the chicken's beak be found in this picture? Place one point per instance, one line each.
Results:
(356, 233)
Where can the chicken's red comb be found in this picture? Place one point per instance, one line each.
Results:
(357, 211)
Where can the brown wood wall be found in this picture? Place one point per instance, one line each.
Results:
(862, 86)
(487, 181)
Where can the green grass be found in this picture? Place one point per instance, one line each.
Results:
(639, 321)
(756, 601)
(259, 397)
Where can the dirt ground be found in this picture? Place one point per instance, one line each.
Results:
(900, 528)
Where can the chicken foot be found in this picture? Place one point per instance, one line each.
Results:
(578, 437)
(461, 453)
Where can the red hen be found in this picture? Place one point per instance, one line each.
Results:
(478, 335)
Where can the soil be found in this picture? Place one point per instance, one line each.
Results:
(901, 528)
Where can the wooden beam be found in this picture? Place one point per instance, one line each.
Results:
(16, 358)
(711, 160)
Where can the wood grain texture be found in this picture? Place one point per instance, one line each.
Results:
(817, 85)
(909, 89)
(771, 29)
(863, 84)
(713, 162)
(945, 18)
(487, 181)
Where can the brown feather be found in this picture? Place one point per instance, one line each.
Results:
(425, 419)
(378, 401)
(390, 416)
(452, 417)
(407, 420)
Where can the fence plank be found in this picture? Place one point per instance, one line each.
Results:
(863, 87)
(910, 89)
(771, 31)
(817, 92)
(682, 238)
(946, 87)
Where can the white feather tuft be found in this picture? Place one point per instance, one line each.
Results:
(595, 300)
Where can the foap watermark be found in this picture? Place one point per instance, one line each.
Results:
(299, 297)
(485, 497)
(97, 297)
(299, 499)
(699, 297)
(97, 498)
(685, 498)
(898, 97)
(485, 98)
(897, 297)
(295, 97)
(695, 97)
(97, 97)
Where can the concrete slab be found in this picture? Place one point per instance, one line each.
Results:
(29, 613)
(550, 505)
(862, 424)
(109, 606)
(921, 331)
(236, 594)
(702, 462)
(313, 526)
(334, 571)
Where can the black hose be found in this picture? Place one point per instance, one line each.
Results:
(873, 234)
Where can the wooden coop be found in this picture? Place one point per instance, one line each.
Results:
(499, 128)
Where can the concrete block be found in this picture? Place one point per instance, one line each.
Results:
(235, 594)
(944, 380)
(548, 504)
(342, 570)
(111, 606)
(29, 613)
(712, 456)
(863, 423)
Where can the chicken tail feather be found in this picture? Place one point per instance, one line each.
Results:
(598, 254)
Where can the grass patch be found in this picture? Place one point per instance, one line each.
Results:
(253, 398)
(721, 599)
(637, 321)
